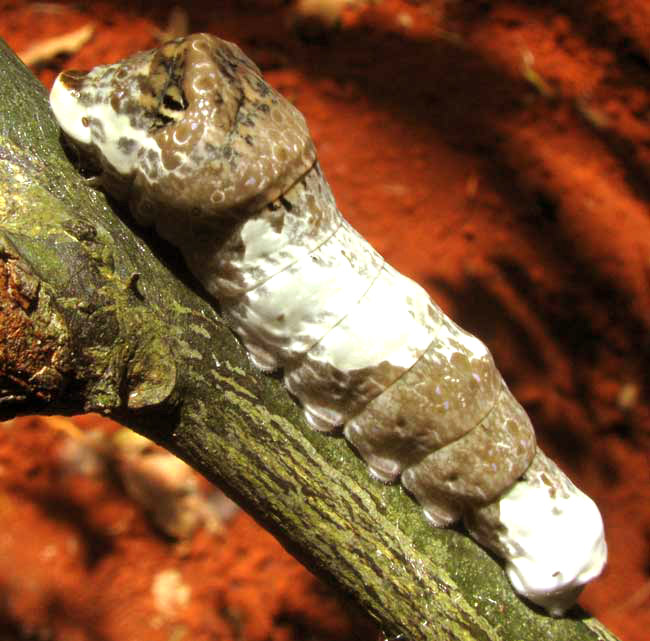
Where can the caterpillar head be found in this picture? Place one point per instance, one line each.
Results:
(190, 128)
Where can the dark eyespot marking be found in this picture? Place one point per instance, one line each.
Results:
(171, 103)
(162, 120)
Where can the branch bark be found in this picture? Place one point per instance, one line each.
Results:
(91, 319)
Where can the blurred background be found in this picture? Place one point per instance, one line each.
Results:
(498, 152)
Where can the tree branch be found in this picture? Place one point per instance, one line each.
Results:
(92, 320)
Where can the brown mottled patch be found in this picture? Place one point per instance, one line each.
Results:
(324, 388)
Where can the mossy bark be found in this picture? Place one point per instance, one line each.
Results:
(98, 316)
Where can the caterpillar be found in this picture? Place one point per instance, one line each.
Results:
(202, 148)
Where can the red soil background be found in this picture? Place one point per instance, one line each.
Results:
(496, 151)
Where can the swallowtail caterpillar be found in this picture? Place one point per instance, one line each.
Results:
(201, 147)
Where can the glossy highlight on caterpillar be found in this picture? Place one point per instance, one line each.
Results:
(203, 149)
